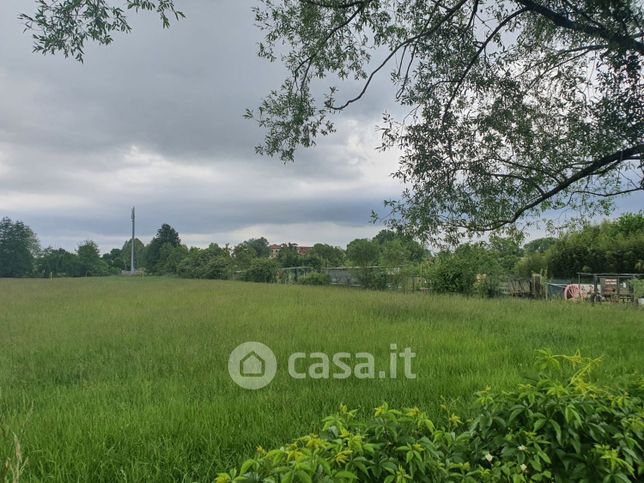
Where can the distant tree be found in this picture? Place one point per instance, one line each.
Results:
(394, 254)
(328, 255)
(612, 246)
(535, 262)
(139, 254)
(58, 263)
(288, 256)
(243, 256)
(507, 250)
(218, 267)
(313, 261)
(211, 262)
(214, 250)
(598, 248)
(18, 249)
(214, 262)
(629, 224)
(415, 251)
(260, 246)
(540, 245)
(188, 267)
(262, 270)
(385, 236)
(114, 259)
(165, 235)
(363, 252)
(170, 257)
(90, 261)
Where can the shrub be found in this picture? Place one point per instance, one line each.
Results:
(187, 268)
(560, 426)
(316, 278)
(638, 288)
(487, 285)
(216, 268)
(372, 278)
(458, 271)
(261, 270)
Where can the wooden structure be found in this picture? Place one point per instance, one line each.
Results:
(611, 287)
(532, 287)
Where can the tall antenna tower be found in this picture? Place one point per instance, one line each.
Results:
(132, 268)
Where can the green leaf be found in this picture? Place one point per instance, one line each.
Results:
(557, 429)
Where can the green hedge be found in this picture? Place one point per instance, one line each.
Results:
(316, 278)
(560, 426)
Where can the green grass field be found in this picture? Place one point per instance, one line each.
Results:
(126, 379)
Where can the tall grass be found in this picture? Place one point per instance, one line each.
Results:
(125, 379)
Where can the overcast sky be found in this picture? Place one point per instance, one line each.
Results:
(155, 120)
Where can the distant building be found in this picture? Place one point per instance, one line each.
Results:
(275, 249)
(303, 250)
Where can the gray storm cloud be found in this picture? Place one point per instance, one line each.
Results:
(155, 120)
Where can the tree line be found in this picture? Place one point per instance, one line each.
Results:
(388, 257)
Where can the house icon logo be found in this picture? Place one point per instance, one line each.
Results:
(252, 365)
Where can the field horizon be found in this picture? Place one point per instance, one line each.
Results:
(125, 379)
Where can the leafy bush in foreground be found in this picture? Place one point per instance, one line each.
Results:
(558, 427)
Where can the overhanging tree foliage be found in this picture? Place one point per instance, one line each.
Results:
(511, 108)
(64, 26)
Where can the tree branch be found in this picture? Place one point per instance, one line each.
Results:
(612, 159)
(483, 46)
(624, 41)
(407, 42)
(309, 60)
(335, 5)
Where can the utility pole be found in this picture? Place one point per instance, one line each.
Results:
(132, 268)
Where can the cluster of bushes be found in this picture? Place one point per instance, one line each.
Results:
(611, 246)
(559, 426)
(373, 278)
(470, 269)
(480, 268)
